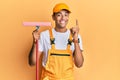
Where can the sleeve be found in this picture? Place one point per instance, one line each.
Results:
(41, 43)
(80, 43)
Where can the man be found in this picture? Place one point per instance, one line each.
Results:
(61, 48)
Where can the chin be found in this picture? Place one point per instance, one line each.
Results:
(63, 26)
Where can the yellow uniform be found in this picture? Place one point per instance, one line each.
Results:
(59, 64)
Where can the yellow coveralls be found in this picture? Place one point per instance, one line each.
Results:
(59, 64)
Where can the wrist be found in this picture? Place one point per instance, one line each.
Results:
(34, 41)
(76, 40)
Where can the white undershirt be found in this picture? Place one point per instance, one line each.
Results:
(61, 40)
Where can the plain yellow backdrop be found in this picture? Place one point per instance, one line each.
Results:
(99, 22)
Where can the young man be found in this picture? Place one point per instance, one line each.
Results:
(61, 48)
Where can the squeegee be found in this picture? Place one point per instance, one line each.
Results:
(37, 25)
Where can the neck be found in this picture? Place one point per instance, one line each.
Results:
(62, 30)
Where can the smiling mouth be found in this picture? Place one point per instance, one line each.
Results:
(63, 22)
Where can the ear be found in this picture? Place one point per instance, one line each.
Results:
(53, 17)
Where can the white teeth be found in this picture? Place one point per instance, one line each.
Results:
(62, 21)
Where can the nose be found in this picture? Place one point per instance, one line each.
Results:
(63, 17)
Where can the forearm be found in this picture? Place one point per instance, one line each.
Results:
(78, 57)
(32, 55)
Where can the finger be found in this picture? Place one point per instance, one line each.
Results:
(76, 22)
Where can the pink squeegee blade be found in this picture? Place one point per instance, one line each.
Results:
(37, 23)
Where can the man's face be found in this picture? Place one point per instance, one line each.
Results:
(61, 18)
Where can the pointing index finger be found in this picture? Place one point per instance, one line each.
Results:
(76, 22)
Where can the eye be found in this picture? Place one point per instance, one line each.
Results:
(66, 14)
(58, 14)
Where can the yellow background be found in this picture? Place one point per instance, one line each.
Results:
(99, 22)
